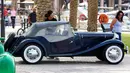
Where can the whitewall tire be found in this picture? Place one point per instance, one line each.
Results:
(32, 54)
(113, 54)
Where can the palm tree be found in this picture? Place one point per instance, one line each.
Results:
(92, 15)
(14, 3)
(42, 7)
(73, 13)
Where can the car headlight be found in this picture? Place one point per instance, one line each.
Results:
(116, 36)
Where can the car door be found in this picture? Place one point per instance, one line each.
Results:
(62, 39)
(63, 46)
(69, 45)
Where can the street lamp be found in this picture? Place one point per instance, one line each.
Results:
(2, 19)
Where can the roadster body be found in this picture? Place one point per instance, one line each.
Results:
(57, 39)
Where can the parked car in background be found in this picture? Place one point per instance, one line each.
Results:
(57, 39)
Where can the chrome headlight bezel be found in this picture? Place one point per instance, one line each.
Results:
(116, 36)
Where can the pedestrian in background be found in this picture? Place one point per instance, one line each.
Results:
(66, 4)
(50, 16)
(13, 16)
(6, 20)
(116, 25)
(32, 18)
(5, 12)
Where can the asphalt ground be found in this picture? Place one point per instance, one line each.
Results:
(76, 65)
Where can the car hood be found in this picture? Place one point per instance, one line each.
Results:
(90, 39)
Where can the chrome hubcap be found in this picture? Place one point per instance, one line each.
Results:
(32, 53)
(114, 54)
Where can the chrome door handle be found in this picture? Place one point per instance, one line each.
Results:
(71, 42)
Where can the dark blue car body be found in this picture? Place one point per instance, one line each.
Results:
(61, 45)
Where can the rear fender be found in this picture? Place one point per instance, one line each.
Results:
(27, 41)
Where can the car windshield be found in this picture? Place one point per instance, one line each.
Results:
(106, 26)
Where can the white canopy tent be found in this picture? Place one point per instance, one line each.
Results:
(6, 2)
(28, 2)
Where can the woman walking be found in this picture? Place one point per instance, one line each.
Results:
(13, 16)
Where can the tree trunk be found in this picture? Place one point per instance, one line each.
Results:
(73, 13)
(42, 7)
(14, 4)
(92, 15)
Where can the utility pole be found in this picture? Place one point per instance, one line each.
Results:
(2, 19)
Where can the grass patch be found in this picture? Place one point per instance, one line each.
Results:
(126, 39)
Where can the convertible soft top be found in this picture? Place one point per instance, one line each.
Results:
(48, 24)
(41, 25)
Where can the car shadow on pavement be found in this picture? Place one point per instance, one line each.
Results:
(55, 62)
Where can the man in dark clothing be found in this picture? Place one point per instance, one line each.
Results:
(32, 17)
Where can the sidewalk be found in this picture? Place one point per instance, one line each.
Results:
(9, 29)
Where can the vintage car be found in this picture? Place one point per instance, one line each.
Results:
(57, 39)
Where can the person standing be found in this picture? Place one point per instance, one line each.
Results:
(116, 25)
(50, 16)
(5, 12)
(32, 18)
(66, 3)
(13, 16)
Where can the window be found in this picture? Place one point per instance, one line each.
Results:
(60, 30)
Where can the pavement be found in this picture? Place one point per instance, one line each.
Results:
(76, 65)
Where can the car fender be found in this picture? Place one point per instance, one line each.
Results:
(27, 41)
(112, 41)
(107, 42)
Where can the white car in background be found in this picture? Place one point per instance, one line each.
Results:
(82, 13)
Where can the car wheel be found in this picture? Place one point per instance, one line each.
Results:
(32, 53)
(113, 54)
(9, 40)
